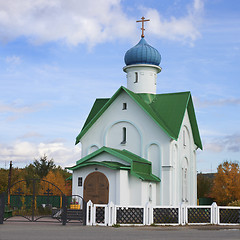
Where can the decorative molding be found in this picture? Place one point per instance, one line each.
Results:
(93, 145)
(127, 121)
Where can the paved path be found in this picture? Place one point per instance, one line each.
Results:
(55, 231)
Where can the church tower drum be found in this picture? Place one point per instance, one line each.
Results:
(142, 66)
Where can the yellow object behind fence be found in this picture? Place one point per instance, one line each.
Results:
(75, 206)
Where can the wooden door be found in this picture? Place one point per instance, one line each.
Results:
(96, 188)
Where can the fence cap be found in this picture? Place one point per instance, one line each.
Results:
(111, 204)
(214, 204)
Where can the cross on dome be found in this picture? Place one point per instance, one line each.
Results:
(142, 21)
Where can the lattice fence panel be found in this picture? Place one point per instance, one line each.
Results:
(229, 215)
(199, 215)
(165, 215)
(130, 215)
(100, 214)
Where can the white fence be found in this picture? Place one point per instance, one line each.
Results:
(108, 215)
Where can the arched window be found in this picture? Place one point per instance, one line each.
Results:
(136, 77)
(150, 192)
(124, 135)
(184, 138)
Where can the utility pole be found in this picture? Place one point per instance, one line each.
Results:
(9, 181)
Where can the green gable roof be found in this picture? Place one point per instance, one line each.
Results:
(98, 104)
(167, 110)
(137, 166)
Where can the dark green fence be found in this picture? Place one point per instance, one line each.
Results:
(26, 201)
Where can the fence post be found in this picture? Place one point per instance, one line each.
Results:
(89, 218)
(183, 214)
(64, 210)
(2, 207)
(214, 213)
(148, 214)
(111, 214)
(84, 208)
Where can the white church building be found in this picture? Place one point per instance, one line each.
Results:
(139, 146)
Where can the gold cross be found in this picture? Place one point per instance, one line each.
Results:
(142, 21)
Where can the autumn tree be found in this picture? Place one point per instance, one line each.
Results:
(3, 180)
(57, 179)
(39, 169)
(226, 185)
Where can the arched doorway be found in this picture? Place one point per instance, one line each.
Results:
(96, 188)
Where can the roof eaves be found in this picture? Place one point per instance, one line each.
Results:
(114, 152)
(146, 177)
(122, 154)
(105, 164)
(91, 155)
(194, 125)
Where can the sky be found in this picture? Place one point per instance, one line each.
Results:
(57, 57)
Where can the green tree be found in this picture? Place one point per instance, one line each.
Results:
(43, 166)
(30, 172)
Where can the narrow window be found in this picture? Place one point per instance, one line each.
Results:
(124, 106)
(184, 139)
(150, 192)
(124, 131)
(185, 186)
(80, 181)
(136, 77)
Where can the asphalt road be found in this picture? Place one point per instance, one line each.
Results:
(50, 231)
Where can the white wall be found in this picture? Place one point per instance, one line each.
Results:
(183, 155)
(146, 139)
(141, 130)
(124, 189)
(146, 78)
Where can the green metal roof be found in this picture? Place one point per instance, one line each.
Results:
(98, 104)
(167, 110)
(138, 167)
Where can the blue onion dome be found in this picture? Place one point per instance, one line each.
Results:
(142, 53)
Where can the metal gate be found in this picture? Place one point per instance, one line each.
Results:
(35, 200)
(76, 209)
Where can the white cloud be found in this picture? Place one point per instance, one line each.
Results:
(200, 103)
(13, 108)
(31, 135)
(13, 59)
(198, 5)
(15, 111)
(179, 29)
(231, 143)
(90, 22)
(25, 152)
(214, 146)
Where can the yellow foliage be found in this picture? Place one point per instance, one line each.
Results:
(58, 180)
(226, 185)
